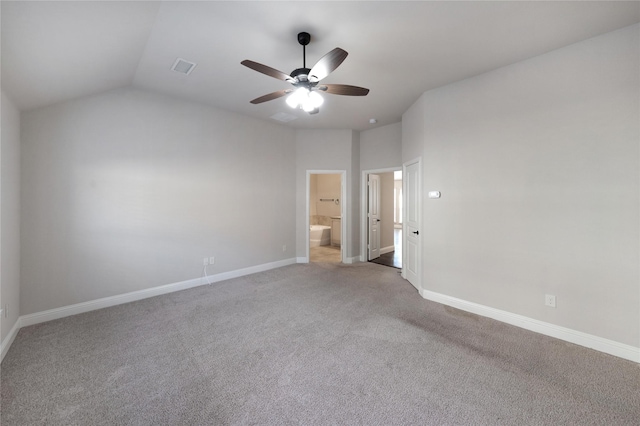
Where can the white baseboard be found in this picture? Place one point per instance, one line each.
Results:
(250, 270)
(106, 302)
(389, 249)
(573, 336)
(302, 260)
(8, 340)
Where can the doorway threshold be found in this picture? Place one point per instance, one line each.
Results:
(392, 259)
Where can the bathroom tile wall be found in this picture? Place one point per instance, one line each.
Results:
(320, 220)
(324, 186)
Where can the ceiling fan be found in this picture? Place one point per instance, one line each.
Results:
(306, 81)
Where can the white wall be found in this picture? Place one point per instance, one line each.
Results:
(326, 150)
(129, 190)
(538, 165)
(381, 148)
(9, 214)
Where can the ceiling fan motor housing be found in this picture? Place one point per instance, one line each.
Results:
(301, 75)
(304, 38)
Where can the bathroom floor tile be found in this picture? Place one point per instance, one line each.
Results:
(325, 254)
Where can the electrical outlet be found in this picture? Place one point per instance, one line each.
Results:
(284, 248)
(212, 260)
(205, 262)
(550, 300)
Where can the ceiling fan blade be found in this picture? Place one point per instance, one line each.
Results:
(270, 96)
(272, 72)
(328, 63)
(344, 89)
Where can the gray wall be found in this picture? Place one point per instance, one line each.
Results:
(381, 148)
(413, 131)
(327, 150)
(9, 214)
(538, 165)
(129, 190)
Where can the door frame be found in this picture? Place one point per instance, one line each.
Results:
(344, 238)
(364, 208)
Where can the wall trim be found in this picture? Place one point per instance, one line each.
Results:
(389, 249)
(302, 260)
(250, 270)
(9, 338)
(105, 302)
(610, 347)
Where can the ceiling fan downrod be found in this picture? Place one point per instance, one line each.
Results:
(304, 38)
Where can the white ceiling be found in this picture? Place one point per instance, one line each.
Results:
(55, 51)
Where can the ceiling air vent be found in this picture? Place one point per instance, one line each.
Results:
(183, 67)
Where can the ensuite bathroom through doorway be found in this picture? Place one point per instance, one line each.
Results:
(325, 217)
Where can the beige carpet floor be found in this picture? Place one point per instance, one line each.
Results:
(317, 344)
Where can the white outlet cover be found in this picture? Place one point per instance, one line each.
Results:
(550, 300)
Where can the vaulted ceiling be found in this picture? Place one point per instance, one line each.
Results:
(55, 51)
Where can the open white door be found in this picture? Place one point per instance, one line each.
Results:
(374, 217)
(411, 234)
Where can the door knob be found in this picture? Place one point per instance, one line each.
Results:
(378, 220)
(416, 232)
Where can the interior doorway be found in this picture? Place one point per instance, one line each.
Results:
(325, 216)
(382, 217)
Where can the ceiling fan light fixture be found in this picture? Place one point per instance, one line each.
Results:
(316, 99)
(295, 99)
(308, 106)
(305, 80)
(305, 99)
